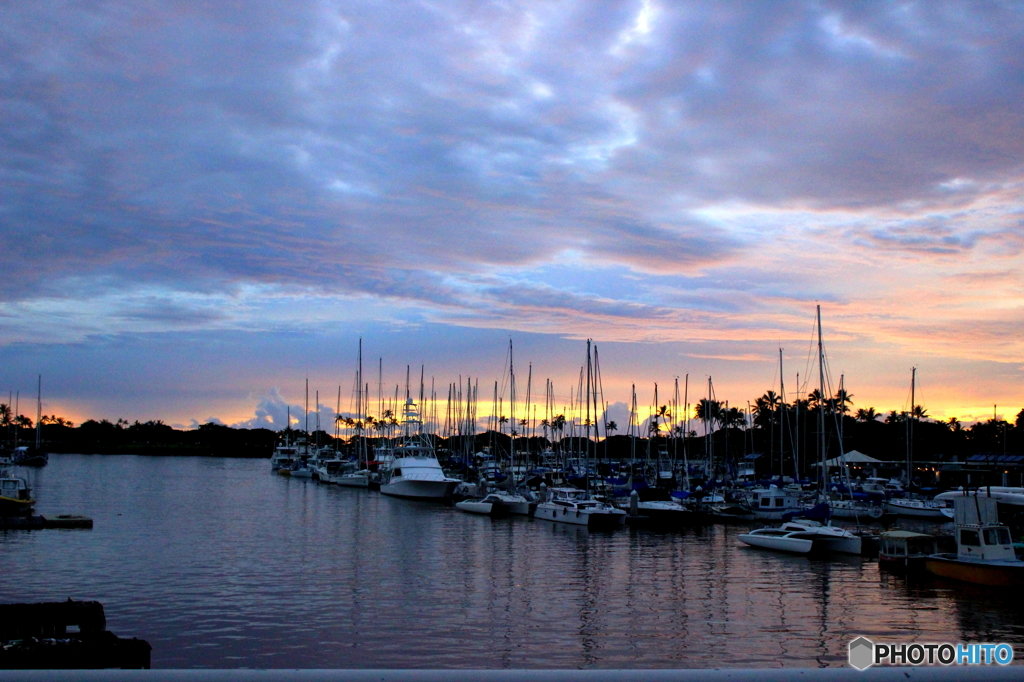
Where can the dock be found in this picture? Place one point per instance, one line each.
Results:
(39, 522)
(64, 635)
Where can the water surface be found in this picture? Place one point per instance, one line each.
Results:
(218, 563)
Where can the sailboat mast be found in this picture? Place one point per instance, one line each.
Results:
(910, 426)
(782, 417)
(686, 432)
(39, 413)
(821, 399)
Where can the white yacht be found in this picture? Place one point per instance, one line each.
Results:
(415, 472)
(284, 457)
(571, 505)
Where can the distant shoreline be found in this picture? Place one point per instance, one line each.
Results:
(163, 451)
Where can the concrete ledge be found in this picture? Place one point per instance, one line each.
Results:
(988, 673)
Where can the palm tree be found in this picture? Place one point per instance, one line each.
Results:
(895, 417)
(731, 417)
(866, 414)
(954, 425)
(919, 412)
(611, 427)
(710, 410)
(558, 423)
(5, 415)
(23, 422)
(842, 399)
(814, 399)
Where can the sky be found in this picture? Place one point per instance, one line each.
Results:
(203, 204)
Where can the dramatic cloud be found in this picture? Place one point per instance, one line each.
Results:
(638, 171)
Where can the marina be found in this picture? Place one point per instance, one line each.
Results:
(217, 563)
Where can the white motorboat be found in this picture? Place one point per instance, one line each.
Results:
(803, 537)
(355, 479)
(858, 510)
(415, 472)
(575, 506)
(774, 503)
(494, 504)
(1010, 500)
(660, 509)
(284, 457)
(918, 509)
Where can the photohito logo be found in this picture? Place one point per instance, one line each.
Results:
(864, 653)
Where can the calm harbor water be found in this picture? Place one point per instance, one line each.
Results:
(218, 563)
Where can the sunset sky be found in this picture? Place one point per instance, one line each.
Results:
(204, 203)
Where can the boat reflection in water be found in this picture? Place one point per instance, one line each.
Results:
(188, 553)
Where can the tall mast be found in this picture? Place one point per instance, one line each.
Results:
(686, 433)
(796, 429)
(586, 461)
(910, 426)
(821, 399)
(361, 454)
(782, 417)
(39, 412)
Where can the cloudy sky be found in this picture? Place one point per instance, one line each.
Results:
(204, 203)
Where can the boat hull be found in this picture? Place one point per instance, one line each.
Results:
(594, 520)
(934, 513)
(419, 490)
(351, 481)
(996, 573)
(10, 506)
(779, 544)
(477, 507)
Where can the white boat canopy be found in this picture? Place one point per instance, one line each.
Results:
(851, 457)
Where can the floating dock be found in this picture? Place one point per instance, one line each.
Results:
(37, 522)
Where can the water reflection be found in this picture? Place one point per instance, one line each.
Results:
(218, 563)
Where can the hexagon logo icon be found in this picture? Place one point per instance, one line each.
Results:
(862, 653)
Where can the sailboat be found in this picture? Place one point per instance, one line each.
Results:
(909, 505)
(33, 457)
(822, 536)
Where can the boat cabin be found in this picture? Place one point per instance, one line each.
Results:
(14, 488)
(979, 536)
(775, 498)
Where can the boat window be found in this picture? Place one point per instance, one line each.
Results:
(997, 536)
(779, 501)
(969, 537)
(396, 472)
(765, 502)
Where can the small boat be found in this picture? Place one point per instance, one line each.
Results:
(902, 551)
(15, 496)
(918, 509)
(774, 503)
(856, 509)
(985, 554)
(490, 505)
(575, 506)
(805, 536)
(779, 538)
(660, 509)
(26, 456)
